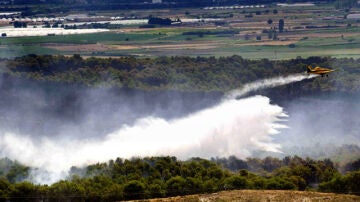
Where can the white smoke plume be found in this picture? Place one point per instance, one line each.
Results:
(268, 83)
(233, 127)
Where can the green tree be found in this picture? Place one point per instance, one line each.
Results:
(175, 186)
(235, 182)
(281, 25)
(352, 180)
(277, 183)
(215, 172)
(134, 190)
(275, 37)
(341, 4)
(5, 188)
(270, 164)
(270, 34)
(17, 173)
(338, 185)
(24, 191)
(156, 190)
(210, 185)
(67, 191)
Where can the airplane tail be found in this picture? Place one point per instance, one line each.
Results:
(309, 69)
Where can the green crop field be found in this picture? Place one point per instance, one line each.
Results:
(317, 30)
(104, 37)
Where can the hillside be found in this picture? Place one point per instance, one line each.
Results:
(200, 74)
(69, 99)
(263, 195)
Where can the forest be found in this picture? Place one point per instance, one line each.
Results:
(194, 74)
(150, 177)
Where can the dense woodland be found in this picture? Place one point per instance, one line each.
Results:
(139, 178)
(196, 74)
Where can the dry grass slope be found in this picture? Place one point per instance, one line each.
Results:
(262, 196)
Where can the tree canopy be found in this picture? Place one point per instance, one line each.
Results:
(149, 177)
(184, 73)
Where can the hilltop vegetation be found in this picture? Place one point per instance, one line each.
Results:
(151, 177)
(197, 74)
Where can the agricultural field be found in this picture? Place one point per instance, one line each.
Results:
(253, 33)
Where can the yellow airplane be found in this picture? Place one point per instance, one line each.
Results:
(319, 70)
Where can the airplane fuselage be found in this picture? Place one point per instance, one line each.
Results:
(319, 70)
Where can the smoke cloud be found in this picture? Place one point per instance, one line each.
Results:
(268, 83)
(232, 127)
(319, 125)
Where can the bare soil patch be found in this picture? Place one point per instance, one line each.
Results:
(269, 43)
(88, 47)
(183, 46)
(77, 47)
(122, 47)
(291, 38)
(322, 35)
(263, 196)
